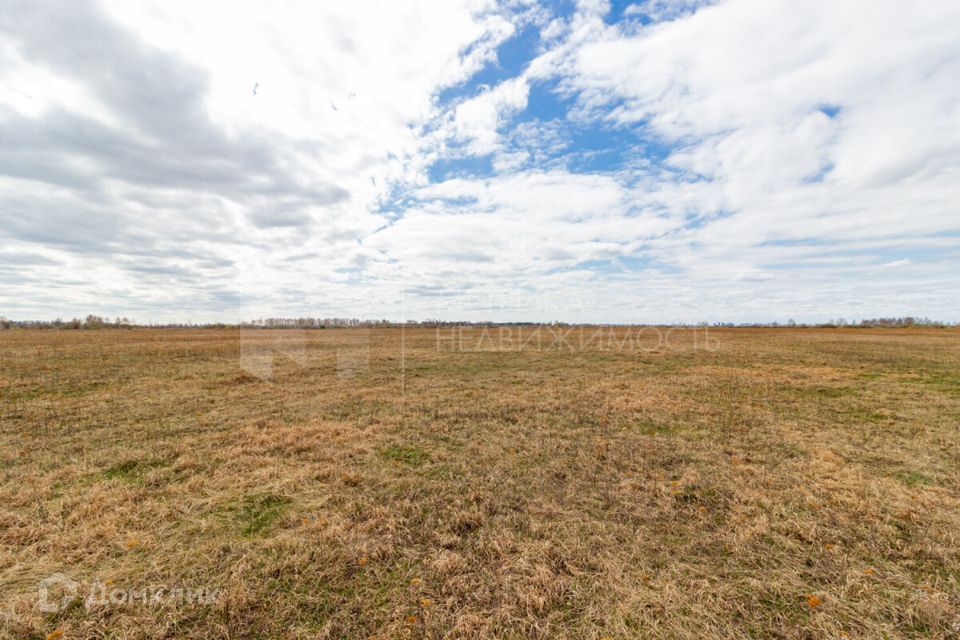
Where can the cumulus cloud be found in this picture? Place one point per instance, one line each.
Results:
(806, 146)
(837, 124)
(476, 121)
(215, 138)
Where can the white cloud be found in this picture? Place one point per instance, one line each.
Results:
(805, 134)
(144, 114)
(741, 86)
(476, 121)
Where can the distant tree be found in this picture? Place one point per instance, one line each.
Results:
(93, 322)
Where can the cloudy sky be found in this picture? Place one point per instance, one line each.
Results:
(663, 160)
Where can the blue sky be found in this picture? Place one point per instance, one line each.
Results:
(657, 161)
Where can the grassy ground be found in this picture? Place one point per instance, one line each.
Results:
(778, 484)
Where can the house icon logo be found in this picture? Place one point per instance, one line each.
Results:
(56, 592)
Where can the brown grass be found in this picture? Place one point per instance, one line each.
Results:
(789, 484)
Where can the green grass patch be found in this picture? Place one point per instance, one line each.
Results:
(913, 478)
(651, 428)
(132, 470)
(864, 414)
(948, 381)
(408, 455)
(830, 392)
(258, 513)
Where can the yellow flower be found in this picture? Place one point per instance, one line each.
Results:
(425, 602)
(53, 635)
(363, 561)
(132, 542)
(813, 600)
(869, 571)
(416, 582)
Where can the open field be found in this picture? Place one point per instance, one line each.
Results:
(767, 483)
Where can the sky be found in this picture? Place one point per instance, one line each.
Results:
(623, 162)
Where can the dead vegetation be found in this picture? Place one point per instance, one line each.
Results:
(792, 483)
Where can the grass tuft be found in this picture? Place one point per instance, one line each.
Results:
(258, 513)
(408, 455)
(914, 478)
(132, 470)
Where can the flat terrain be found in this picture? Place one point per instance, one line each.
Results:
(351, 483)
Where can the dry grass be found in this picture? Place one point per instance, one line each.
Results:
(790, 484)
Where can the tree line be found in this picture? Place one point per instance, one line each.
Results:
(96, 322)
